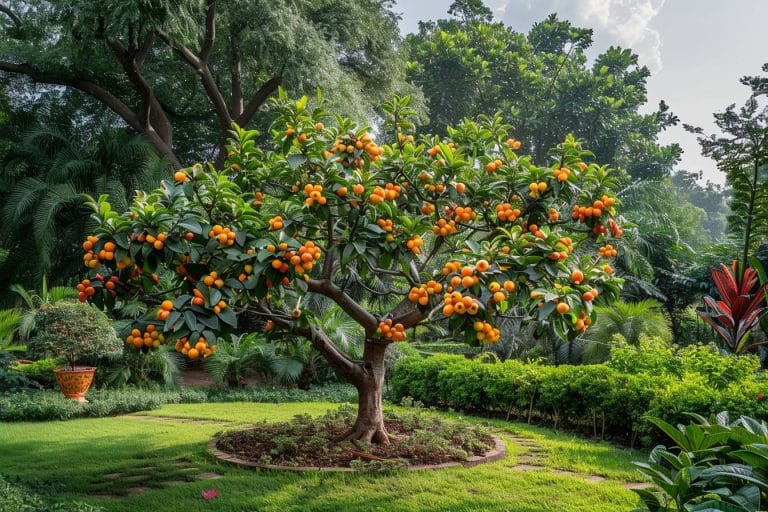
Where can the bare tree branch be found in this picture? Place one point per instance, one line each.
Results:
(258, 99)
(15, 19)
(346, 303)
(210, 32)
(101, 94)
(204, 72)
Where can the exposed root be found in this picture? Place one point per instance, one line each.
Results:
(371, 435)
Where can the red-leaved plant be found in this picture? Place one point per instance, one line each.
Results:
(740, 309)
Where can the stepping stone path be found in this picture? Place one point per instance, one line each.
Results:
(533, 457)
(142, 474)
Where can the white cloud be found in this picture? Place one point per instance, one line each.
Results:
(624, 23)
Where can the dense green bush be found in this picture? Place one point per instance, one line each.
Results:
(599, 399)
(10, 380)
(71, 330)
(39, 371)
(50, 405)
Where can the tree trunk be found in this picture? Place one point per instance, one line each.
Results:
(369, 425)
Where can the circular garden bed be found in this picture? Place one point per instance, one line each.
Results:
(417, 441)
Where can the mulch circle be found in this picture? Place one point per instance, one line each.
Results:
(498, 452)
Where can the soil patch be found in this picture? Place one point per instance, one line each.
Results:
(416, 440)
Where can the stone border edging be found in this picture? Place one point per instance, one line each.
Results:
(498, 452)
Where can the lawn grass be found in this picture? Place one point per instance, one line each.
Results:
(70, 459)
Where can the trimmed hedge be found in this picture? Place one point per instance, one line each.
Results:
(594, 398)
(51, 405)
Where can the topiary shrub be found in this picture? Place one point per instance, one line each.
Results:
(72, 330)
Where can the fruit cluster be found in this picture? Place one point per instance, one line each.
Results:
(225, 236)
(385, 224)
(607, 251)
(506, 213)
(306, 257)
(314, 195)
(414, 244)
(461, 213)
(486, 332)
(435, 189)
(276, 223)
(582, 322)
(213, 279)
(85, 290)
(494, 165)
(391, 332)
(562, 174)
(422, 292)
(201, 348)
(589, 295)
(247, 270)
(390, 192)
(536, 188)
(353, 143)
(615, 229)
(444, 227)
(455, 302)
(258, 199)
(427, 208)
(149, 338)
(501, 291)
(514, 144)
(535, 231)
(91, 260)
(180, 176)
(165, 310)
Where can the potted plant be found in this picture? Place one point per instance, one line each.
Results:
(72, 331)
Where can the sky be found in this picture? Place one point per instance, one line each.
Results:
(696, 50)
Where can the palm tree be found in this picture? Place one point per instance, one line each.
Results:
(43, 216)
(629, 319)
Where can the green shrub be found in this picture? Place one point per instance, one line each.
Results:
(50, 405)
(40, 371)
(10, 380)
(719, 369)
(652, 355)
(599, 399)
(72, 330)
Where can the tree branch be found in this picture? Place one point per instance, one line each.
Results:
(237, 84)
(346, 303)
(15, 19)
(258, 99)
(206, 77)
(101, 94)
(321, 342)
(155, 118)
(210, 32)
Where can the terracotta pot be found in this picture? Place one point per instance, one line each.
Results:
(75, 383)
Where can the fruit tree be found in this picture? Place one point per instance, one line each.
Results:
(461, 228)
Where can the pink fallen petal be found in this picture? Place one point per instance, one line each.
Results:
(209, 494)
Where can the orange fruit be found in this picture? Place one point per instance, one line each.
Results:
(563, 308)
(193, 353)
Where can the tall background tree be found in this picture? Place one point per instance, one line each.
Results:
(180, 73)
(472, 65)
(741, 152)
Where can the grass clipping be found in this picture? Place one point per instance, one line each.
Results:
(416, 438)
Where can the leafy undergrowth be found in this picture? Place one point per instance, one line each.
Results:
(72, 460)
(415, 438)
